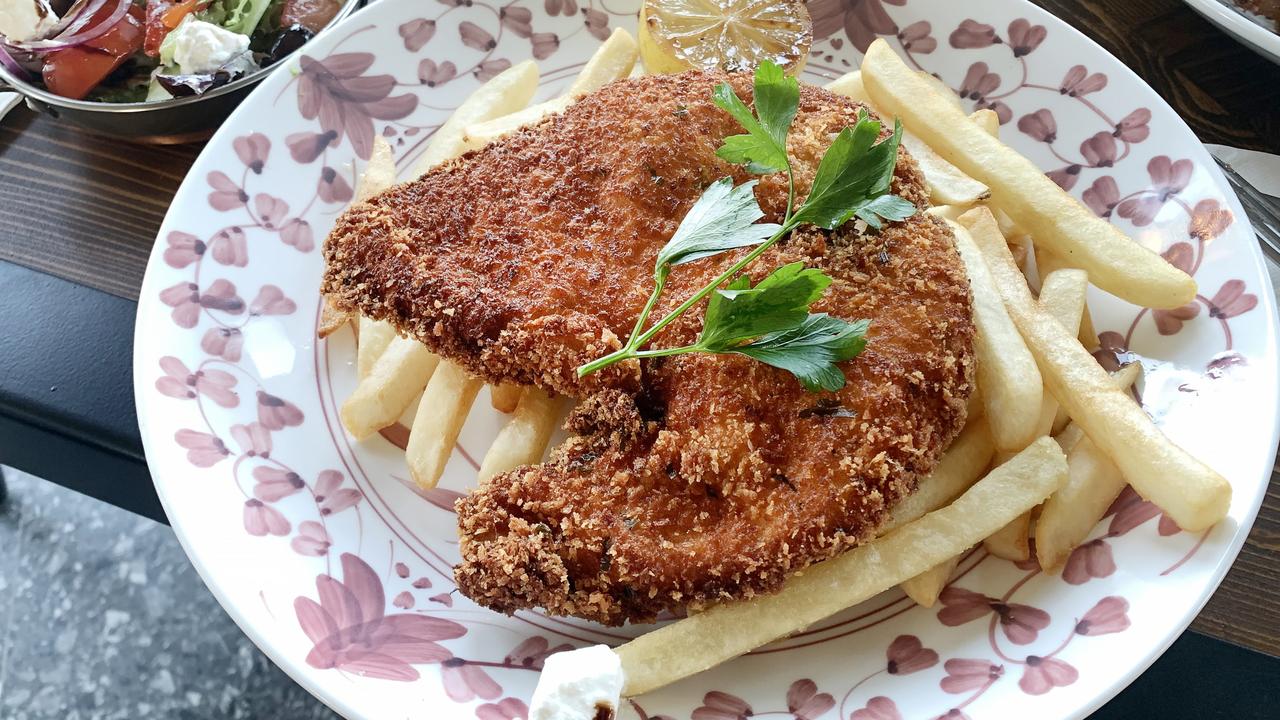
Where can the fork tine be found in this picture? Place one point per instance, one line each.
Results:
(1264, 213)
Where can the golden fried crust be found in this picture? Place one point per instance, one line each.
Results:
(688, 480)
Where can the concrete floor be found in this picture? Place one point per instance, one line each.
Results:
(103, 617)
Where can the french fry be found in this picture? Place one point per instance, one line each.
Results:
(442, 410)
(1047, 263)
(505, 397)
(613, 60)
(925, 588)
(987, 120)
(849, 85)
(960, 467)
(947, 184)
(481, 134)
(1114, 262)
(1069, 437)
(728, 630)
(1013, 541)
(395, 379)
(1011, 385)
(331, 319)
(1093, 483)
(375, 337)
(380, 173)
(523, 440)
(1069, 515)
(1192, 493)
(976, 408)
(947, 212)
(1063, 297)
(506, 93)
(1127, 376)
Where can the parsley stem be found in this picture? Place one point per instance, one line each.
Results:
(667, 351)
(791, 195)
(660, 280)
(711, 286)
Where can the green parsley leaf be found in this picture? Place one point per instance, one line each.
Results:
(722, 219)
(811, 350)
(853, 176)
(885, 207)
(764, 148)
(741, 312)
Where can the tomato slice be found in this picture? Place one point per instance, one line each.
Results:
(162, 17)
(75, 71)
(313, 15)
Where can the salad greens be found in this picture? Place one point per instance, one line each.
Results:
(149, 50)
(238, 16)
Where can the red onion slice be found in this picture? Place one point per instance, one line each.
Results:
(13, 66)
(73, 36)
(78, 14)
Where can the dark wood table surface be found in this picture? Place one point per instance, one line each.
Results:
(85, 211)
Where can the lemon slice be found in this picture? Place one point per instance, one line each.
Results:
(733, 35)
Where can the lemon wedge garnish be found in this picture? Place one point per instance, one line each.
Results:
(733, 35)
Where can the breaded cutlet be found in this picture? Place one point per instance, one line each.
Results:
(689, 479)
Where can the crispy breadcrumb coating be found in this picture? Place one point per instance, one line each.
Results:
(690, 479)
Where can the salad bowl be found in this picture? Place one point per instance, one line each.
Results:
(171, 121)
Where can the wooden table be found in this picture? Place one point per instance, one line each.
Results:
(86, 211)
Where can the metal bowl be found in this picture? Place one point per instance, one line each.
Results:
(165, 122)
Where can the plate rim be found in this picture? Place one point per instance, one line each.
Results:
(293, 666)
(1242, 29)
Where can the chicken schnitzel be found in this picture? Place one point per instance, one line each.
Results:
(688, 479)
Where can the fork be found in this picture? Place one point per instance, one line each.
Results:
(1263, 210)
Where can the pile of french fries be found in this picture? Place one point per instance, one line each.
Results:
(1051, 439)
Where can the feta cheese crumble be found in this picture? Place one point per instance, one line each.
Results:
(578, 685)
(198, 47)
(22, 20)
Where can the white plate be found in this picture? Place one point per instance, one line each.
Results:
(342, 574)
(1221, 13)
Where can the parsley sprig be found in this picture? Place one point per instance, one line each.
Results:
(770, 321)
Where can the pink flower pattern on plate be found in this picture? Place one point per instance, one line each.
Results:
(805, 702)
(1109, 615)
(907, 655)
(335, 91)
(312, 539)
(718, 705)
(877, 708)
(464, 682)
(964, 675)
(261, 519)
(1020, 623)
(351, 631)
(1040, 675)
(330, 494)
(254, 440)
(504, 709)
(180, 382)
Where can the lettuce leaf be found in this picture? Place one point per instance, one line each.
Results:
(241, 16)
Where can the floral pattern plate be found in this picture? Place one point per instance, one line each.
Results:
(340, 571)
